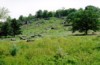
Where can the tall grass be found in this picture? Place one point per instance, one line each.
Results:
(72, 50)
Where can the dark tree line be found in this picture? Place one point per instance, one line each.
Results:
(58, 13)
(45, 14)
(10, 28)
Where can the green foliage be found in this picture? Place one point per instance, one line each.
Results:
(71, 10)
(14, 50)
(84, 20)
(39, 14)
(50, 14)
(10, 27)
(15, 27)
(5, 29)
(59, 13)
(21, 20)
(64, 12)
(45, 14)
(2, 62)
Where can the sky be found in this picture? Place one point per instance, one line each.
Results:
(25, 7)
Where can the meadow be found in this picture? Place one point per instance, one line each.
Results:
(53, 45)
(72, 50)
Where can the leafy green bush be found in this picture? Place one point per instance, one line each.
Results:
(14, 50)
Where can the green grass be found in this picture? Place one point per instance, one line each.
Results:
(71, 50)
(43, 27)
(58, 46)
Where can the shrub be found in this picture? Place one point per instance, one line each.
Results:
(14, 50)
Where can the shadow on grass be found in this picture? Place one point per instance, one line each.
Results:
(83, 34)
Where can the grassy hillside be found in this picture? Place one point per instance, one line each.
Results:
(48, 42)
(51, 27)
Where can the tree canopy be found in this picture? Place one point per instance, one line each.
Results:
(84, 20)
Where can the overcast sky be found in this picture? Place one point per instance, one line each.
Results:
(24, 7)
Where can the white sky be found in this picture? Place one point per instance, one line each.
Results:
(25, 7)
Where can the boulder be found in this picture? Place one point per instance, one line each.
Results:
(13, 39)
(29, 40)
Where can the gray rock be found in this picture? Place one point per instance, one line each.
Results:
(30, 40)
(13, 39)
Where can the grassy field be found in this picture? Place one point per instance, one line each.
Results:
(71, 50)
(56, 46)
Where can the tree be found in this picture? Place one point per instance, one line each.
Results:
(15, 27)
(1, 23)
(5, 29)
(58, 13)
(71, 14)
(39, 14)
(71, 10)
(3, 14)
(21, 20)
(45, 14)
(65, 12)
(50, 14)
(84, 20)
(30, 17)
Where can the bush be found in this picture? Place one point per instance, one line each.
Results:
(14, 50)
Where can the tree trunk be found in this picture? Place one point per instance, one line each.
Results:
(86, 32)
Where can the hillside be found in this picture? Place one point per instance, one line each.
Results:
(51, 27)
(49, 42)
(36, 32)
